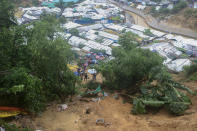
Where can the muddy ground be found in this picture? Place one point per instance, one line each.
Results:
(116, 114)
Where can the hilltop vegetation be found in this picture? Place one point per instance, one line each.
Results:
(33, 64)
(25, 3)
(180, 15)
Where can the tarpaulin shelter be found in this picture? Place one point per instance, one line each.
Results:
(72, 67)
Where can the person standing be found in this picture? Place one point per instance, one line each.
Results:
(85, 77)
(94, 76)
(82, 74)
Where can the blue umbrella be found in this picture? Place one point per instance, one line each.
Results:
(76, 73)
(100, 54)
(88, 55)
(94, 61)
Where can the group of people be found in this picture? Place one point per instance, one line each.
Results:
(84, 75)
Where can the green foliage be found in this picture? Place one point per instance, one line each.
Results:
(74, 32)
(179, 6)
(7, 18)
(165, 93)
(62, 20)
(23, 90)
(156, 0)
(164, 11)
(96, 33)
(134, 69)
(12, 127)
(191, 71)
(128, 40)
(33, 65)
(97, 51)
(35, 2)
(148, 32)
(190, 13)
(81, 46)
(131, 65)
(138, 107)
(117, 19)
(153, 10)
(61, 5)
(99, 40)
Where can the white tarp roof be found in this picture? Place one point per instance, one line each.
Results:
(114, 27)
(71, 25)
(90, 27)
(29, 17)
(76, 41)
(178, 64)
(107, 42)
(138, 27)
(108, 35)
(164, 49)
(86, 48)
(141, 7)
(91, 35)
(139, 33)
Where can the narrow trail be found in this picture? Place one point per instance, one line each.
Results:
(153, 23)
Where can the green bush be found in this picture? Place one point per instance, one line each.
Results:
(74, 32)
(21, 89)
(191, 71)
(33, 70)
(12, 127)
(98, 51)
(179, 6)
(148, 32)
(164, 11)
(130, 66)
(134, 69)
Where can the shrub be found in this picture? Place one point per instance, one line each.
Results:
(22, 89)
(148, 32)
(74, 32)
(179, 6)
(191, 71)
(164, 11)
(12, 127)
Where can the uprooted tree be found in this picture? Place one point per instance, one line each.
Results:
(142, 73)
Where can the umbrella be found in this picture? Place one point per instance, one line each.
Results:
(97, 57)
(76, 73)
(100, 54)
(94, 61)
(91, 71)
(88, 55)
(86, 64)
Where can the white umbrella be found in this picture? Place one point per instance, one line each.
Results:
(91, 71)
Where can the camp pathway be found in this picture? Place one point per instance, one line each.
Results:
(153, 23)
